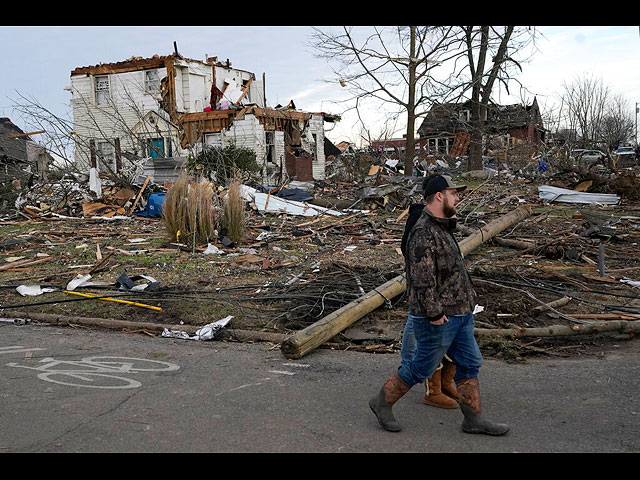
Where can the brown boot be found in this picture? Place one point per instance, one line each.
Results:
(474, 421)
(448, 386)
(433, 395)
(393, 389)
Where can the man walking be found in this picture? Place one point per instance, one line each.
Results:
(441, 302)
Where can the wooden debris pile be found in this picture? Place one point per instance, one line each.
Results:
(73, 197)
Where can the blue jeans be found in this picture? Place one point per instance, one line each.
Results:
(424, 345)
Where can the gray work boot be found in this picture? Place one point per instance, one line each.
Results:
(382, 404)
(474, 421)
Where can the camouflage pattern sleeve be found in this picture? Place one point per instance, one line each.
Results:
(421, 274)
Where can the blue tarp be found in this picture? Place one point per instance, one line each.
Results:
(154, 205)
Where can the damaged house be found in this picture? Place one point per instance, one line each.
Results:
(171, 106)
(22, 161)
(509, 129)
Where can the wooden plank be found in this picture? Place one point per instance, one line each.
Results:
(146, 181)
(460, 144)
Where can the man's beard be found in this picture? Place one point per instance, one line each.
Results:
(448, 209)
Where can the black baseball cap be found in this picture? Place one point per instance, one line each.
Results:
(438, 183)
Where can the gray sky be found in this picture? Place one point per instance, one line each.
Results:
(37, 61)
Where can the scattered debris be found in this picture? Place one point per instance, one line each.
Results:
(563, 195)
(209, 332)
(33, 290)
(313, 249)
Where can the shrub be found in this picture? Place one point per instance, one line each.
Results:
(224, 164)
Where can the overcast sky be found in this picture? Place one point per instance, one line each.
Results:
(37, 62)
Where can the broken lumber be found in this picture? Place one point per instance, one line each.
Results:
(551, 305)
(24, 263)
(316, 334)
(144, 185)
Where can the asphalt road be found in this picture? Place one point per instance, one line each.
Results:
(62, 390)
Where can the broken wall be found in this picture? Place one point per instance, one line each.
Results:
(313, 143)
(250, 133)
(127, 104)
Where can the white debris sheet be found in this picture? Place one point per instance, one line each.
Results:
(33, 290)
(272, 204)
(83, 281)
(208, 332)
(633, 283)
(549, 194)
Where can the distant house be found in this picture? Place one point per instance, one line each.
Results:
(395, 147)
(21, 159)
(447, 126)
(172, 106)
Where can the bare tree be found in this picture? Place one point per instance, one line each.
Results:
(398, 66)
(58, 137)
(391, 65)
(584, 107)
(488, 56)
(617, 126)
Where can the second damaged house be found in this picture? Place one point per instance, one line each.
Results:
(172, 106)
(508, 130)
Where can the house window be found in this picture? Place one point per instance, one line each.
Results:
(270, 146)
(443, 146)
(102, 89)
(317, 149)
(439, 145)
(465, 115)
(106, 154)
(213, 140)
(155, 148)
(152, 82)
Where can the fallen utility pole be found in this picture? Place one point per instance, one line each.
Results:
(326, 328)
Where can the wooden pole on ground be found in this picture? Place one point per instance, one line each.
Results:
(326, 328)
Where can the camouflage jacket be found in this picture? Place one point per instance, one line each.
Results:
(437, 279)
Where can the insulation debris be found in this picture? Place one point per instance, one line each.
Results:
(209, 332)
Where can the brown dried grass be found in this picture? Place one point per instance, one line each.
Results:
(234, 217)
(190, 207)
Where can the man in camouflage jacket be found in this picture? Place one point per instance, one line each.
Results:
(441, 302)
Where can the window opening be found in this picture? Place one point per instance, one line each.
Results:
(106, 155)
(102, 89)
(270, 141)
(152, 81)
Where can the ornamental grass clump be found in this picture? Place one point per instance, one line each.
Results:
(190, 211)
(234, 217)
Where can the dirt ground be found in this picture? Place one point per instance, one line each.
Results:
(293, 271)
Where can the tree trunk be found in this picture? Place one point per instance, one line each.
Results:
(475, 147)
(410, 141)
(481, 92)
